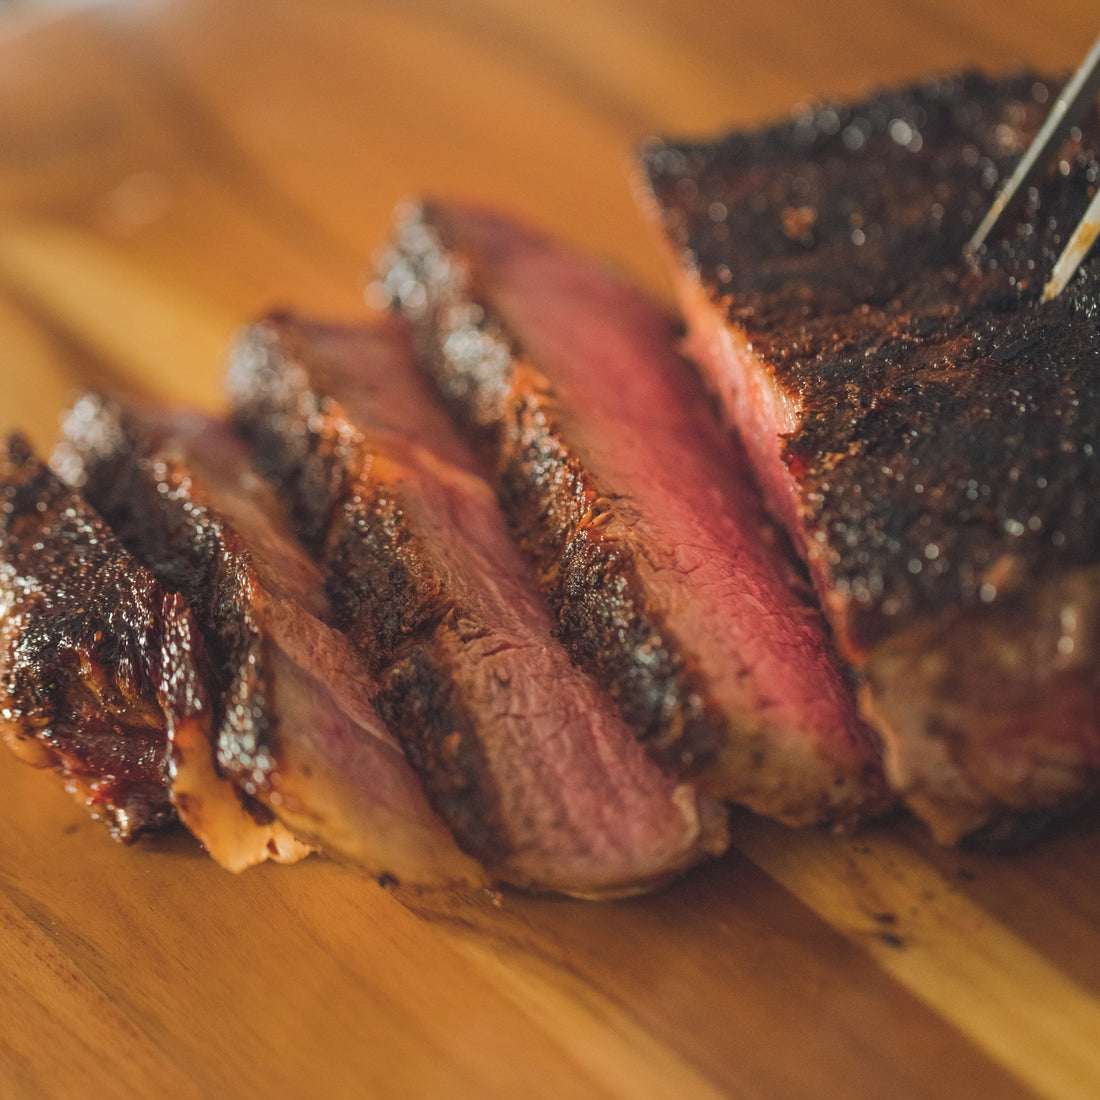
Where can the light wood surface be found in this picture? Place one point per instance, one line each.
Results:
(168, 170)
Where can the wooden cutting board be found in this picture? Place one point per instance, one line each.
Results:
(168, 170)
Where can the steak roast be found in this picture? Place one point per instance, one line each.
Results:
(295, 728)
(540, 623)
(668, 581)
(520, 753)
(925, 428)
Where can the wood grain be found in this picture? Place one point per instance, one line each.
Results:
(168, 170)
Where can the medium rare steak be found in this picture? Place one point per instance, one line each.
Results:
(295, 728)
(668, 580)
(521, 754)
(926, 429)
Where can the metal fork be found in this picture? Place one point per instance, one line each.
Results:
(1068, 110)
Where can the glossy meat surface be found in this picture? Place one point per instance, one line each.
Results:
(97, 662)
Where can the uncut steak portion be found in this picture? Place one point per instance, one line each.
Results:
(98, 665)
(669, 581)
(926, 429)
(295, 727)
(521, 754)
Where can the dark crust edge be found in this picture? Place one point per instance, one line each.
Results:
(94, 609)
(167, 525)
(555, 510)
(384, 595)
(590, 576)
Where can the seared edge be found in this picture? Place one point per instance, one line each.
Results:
(297, 733)
(591, 575)
(97, 663)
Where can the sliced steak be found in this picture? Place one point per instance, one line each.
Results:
(295, 727)
(926, 429)
(668, 580)
(521, 754)
(97, 663)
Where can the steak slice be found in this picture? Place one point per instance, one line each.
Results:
(98, 665)
(669, 581)
(520, 753)
(926, 429)
(295, 726)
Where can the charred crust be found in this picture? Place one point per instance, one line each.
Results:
(432, 284)
(393, 604)
(418, 699)
(588, 569)
(88, 603)
(248, 742)
(560, 519)
(385, 590)
(160, 515)
(382, 589)
(296, 435)
(896, 184)
(84, 665)
(948, 419)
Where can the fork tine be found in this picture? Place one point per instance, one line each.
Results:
(1073, 255)
(1069, 108)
